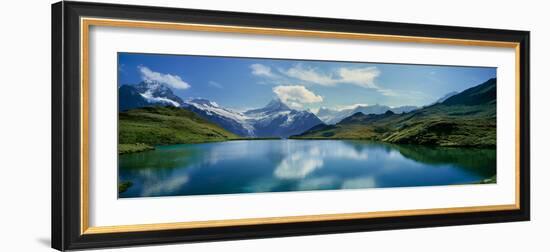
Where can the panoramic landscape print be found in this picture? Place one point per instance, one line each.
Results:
(203, 125)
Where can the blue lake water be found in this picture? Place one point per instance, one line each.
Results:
(296, 165)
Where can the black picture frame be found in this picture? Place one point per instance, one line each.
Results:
(66, 114)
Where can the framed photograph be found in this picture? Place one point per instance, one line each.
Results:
(181, 125)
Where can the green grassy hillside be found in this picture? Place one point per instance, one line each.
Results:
(139, 129)
(466, 119)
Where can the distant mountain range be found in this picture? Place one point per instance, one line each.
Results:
(332, 116)
(276, 119)
(231, 120)
(467, 118)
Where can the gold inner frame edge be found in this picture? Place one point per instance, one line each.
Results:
(85, 24)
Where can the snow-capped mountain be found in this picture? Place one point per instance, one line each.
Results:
(146, 93)
(233, 121)
(276, 119)
(279, 120)
(158, 93)
(332, 116)
(274, 106)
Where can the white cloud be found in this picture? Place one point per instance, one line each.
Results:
(388, 92)
(215, 84)
(359, 183)
(165, 186)
(363, 77)
(295, 105)
(297, 166)
(172, 81)
(314, 110)
(295, 95)
(261, 70)
(310, 75)
(121, 68)
(317, 183)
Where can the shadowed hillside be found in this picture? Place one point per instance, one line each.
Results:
(141, 128)
(465, 119)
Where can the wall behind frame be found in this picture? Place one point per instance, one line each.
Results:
(25, 127)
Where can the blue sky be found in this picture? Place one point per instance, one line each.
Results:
(244, 83)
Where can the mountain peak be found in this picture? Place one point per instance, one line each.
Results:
(152, 85)
(202, 101)
(276, 104)
(155, 88)
(158, 93)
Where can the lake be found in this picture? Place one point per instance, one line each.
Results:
(249, 166)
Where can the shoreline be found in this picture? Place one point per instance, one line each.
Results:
(140, 147)
(379, 141)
